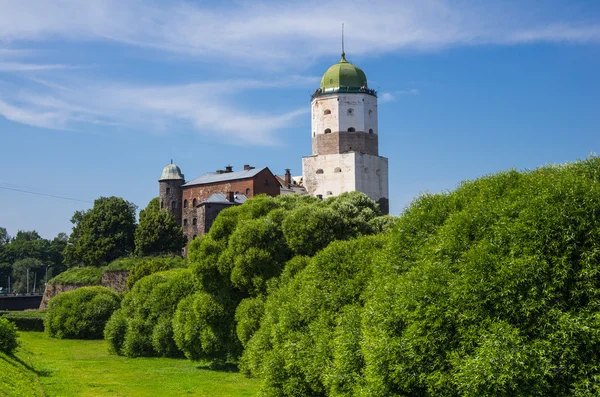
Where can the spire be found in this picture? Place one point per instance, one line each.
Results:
(171, 161)
(343, 53)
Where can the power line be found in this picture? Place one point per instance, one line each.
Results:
(44, 194)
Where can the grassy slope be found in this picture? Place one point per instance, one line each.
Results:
(84, 368)
(17, 378)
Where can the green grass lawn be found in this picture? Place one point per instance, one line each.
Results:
(85, 368)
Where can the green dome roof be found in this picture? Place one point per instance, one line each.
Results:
(343, 74)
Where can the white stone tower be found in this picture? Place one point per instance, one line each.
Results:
(345, 148)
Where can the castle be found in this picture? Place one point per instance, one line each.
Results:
(345, 157)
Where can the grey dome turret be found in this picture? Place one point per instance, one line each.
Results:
(171, 172)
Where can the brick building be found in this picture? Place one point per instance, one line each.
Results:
(195, 204)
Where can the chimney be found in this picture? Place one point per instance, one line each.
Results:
(230, 197)
(247, 167)
(288, 177)
(228, 168)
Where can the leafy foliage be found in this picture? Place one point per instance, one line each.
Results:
(158, 232)
(243, 256)
(101, 234)
(81, 313)
(143, 325)
(491, 290)
(147, 265)
(8, 336)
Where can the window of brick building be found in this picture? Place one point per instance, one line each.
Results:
(185, 222)
(194, 221)
(184, 203)
(194, 203)
(248, 192)
(173, 204)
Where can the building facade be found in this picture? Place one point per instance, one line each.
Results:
(345, 138)
(345, 157)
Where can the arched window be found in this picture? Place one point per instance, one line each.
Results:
(328, 131)
(330, 193)
(248, 192)
(173, 204)
(351, 129)
(185, 222)
(370, 112)
(327, 111)
(184, 203)
(350, 112)
(370, 130)
(168, 190)
(194, 203)
(337, 169)
(319, 171)
(162, 205)
(194, 221)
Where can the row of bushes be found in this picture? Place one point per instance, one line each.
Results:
(26, 320)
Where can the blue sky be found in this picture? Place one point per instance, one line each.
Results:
(97, 96)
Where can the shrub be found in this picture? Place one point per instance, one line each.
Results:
(490, 290)
(81, 313)
(143, 325)
(8, 336)
(148, 265)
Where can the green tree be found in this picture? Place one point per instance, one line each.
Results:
(101, 234)
(158, 232)
(36, 269)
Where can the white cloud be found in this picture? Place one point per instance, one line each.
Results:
(28, 67)
(206, 107)
(385, 97)
(278, 34)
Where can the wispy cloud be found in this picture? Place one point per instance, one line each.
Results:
(28, 67)
(206, 108)
(276, 34)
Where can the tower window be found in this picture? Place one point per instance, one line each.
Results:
(337, 169)
(195, 221)
(328, 131)
(319, 171)
(162, 205)
(168, 190)
(330, 81)
(184, 203)
(370, 112)
(329, 193)
(370, 130)
(194, 203)
(185, 222)
(173, 204)
(314, 134)
(247, 191)
(351, 129)
(350, 112)
(327, 111)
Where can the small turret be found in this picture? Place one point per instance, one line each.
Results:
(169, 184)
